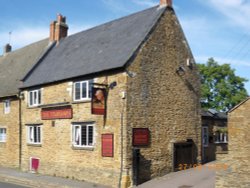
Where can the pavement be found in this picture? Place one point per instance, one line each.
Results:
(9, 185)
(199, 177)
(32, 180)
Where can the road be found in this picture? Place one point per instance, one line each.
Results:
(7, 185)
(203, 177)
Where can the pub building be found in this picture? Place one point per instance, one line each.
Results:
(117, 104)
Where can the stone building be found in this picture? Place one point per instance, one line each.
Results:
(214, 134)
(117, 104)
(237, 173)
(14, 65)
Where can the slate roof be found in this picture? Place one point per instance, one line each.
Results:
(212, 113)
(105, 47)
(15, 65)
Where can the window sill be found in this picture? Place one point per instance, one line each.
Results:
(32, 107)
(82, 101)
(221, 142)
(221, 152)
(54, 105)
(34, 145)
(2, 142)
(83, 148)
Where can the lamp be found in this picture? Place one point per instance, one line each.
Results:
(130, 74)
(21, 96)
(181, 70)
(112, 85)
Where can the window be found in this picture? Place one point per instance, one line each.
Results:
(2, 134)
(82, 90)
(7, 106)
(83, 135)
(205, 136)
(35, 97)
(221, 137)
(34, 134)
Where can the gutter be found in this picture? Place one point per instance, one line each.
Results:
(9, 96)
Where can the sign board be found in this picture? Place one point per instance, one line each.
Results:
(98, 103)
(141, 136)
(64, 112)
(107, 145)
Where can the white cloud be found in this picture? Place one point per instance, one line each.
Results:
(127, 7)
(197, 27)
(237, 11)
(145, 3)
(220, 60)
(202, 35)
(23, 36)
(116, 6)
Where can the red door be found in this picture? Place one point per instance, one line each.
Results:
(34, 164)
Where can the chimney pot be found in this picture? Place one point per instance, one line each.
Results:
(61, 19)
(167, 3)
(7, 49)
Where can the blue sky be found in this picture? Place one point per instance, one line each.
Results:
(214, 28)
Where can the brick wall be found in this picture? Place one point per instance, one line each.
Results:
(9, 150)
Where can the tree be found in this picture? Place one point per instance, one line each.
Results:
(221, 89)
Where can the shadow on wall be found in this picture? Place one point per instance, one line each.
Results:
(144, 171)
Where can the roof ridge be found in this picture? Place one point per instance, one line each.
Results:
(115, 20)
(26, 46)
(92, 51)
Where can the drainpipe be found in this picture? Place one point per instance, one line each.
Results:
(121, 167)
(20, 129)
(124, 179)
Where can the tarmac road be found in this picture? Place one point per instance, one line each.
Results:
(203, 177)
(7, 185)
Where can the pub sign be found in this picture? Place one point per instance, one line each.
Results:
(98, 103)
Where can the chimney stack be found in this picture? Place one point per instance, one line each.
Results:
(167, 3)
(6, 49)
(58, 29)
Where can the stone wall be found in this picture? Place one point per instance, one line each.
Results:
(163, 100)
(9, 150)
(238, 159)
(56, 154)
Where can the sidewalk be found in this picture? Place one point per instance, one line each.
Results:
(41, 181)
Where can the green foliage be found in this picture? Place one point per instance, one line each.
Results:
(221, 89)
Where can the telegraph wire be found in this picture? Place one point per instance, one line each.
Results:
(240, 51)
(235, 46)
